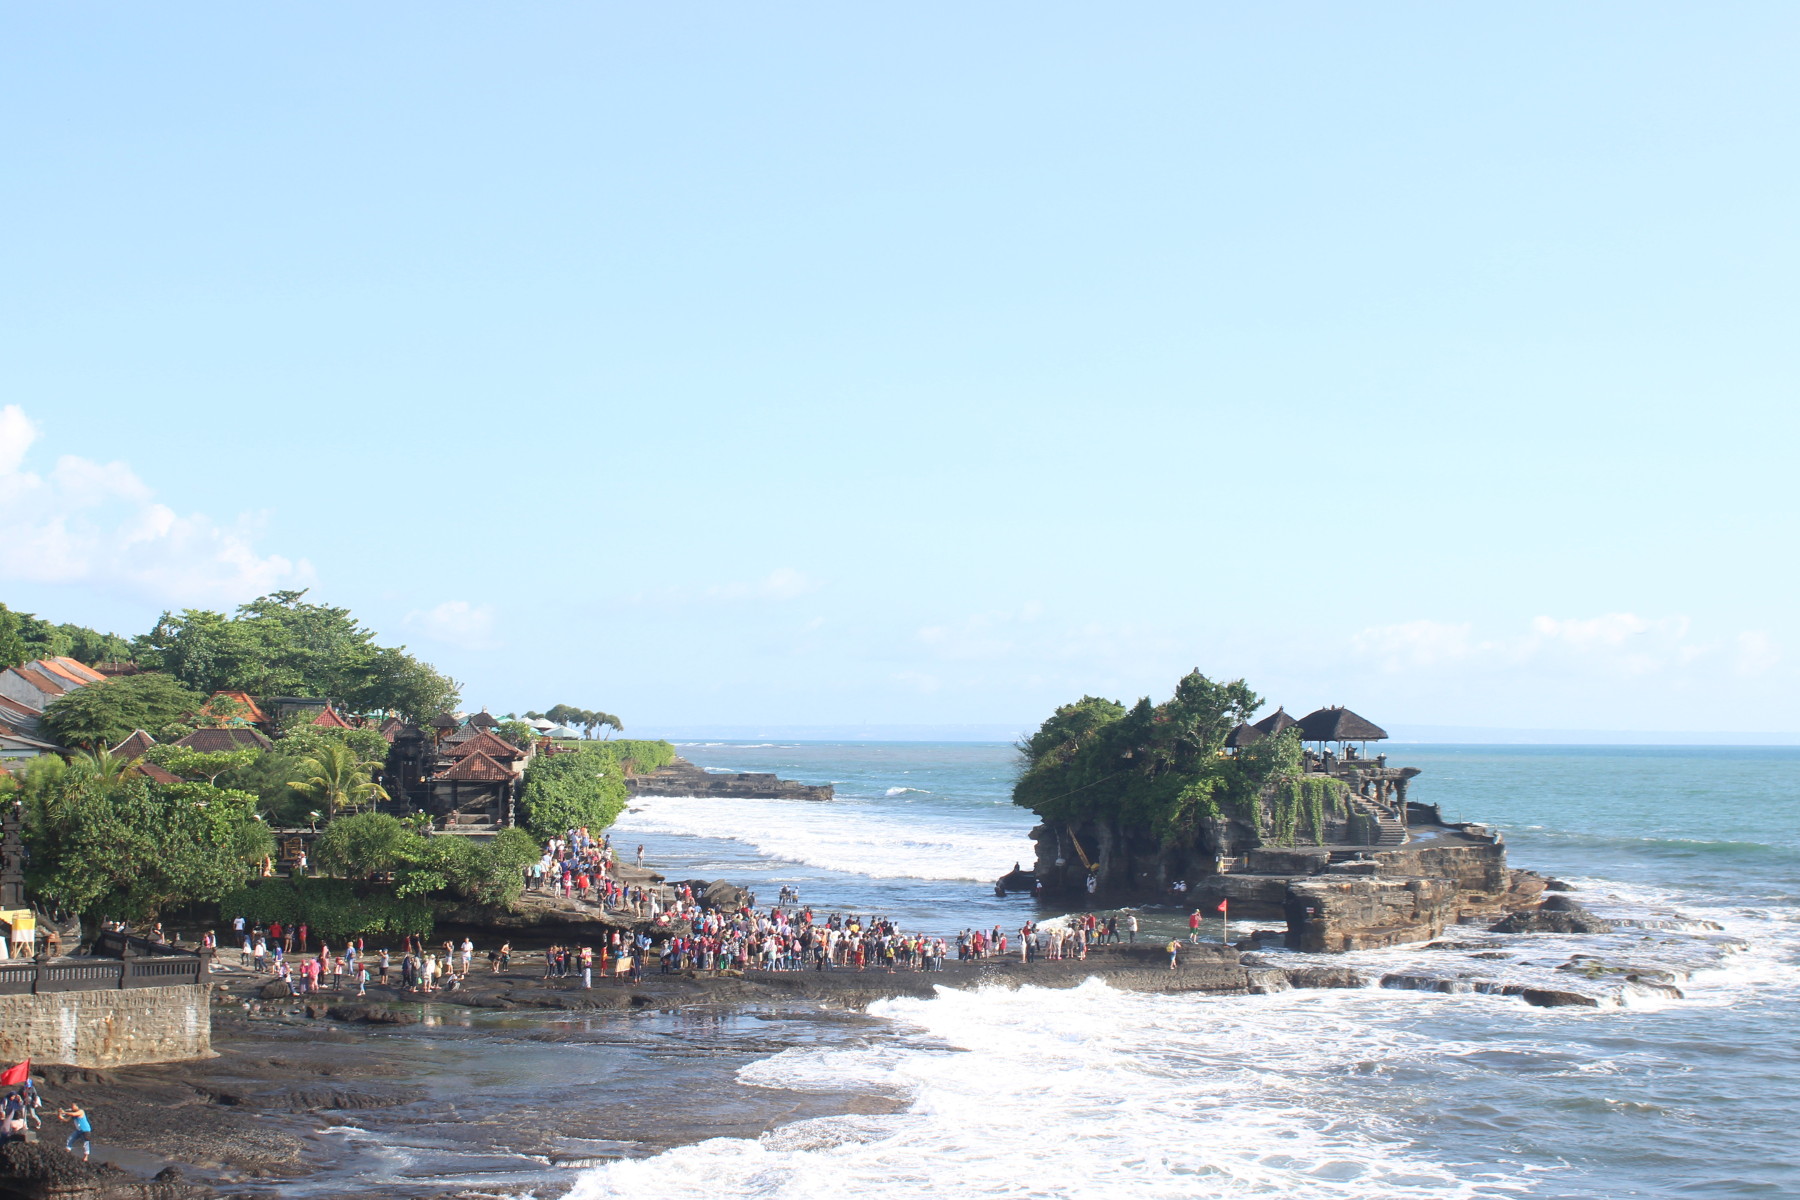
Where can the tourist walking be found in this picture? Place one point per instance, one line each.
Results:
(1174, 952)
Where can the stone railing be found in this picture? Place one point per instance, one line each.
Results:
(119, 961)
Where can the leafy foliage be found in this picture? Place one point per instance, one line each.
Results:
(1158, 767)
(307, 741)
(104, 714)
(518, 733)
(103, 839)
(397, 877)
(335, 778)
(335, 908)
(200, 764)
(24, 637)
(565, 791)
(279, 645)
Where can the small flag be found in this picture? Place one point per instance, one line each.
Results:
(1221, 906)
(16, 1075)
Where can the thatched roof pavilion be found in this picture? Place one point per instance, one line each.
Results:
(1339, 725)
(1277, 722)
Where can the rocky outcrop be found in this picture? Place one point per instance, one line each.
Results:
(683, 778)
(1336, 914)
(1557, 914)
(38, 1171)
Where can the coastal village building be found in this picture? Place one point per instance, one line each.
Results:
(461, 771)
(25, 691)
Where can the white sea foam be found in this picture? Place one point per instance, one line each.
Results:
(1087, 1092)
(861, 839)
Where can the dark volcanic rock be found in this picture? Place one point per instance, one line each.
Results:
(1326, 977)
(1558, 914)
(721, 894)
(683, 778)
(1552, 998)
(370, 1014)
(36, 1169)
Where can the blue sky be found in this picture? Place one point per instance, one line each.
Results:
(813, 364)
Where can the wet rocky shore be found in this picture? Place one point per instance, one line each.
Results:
(519, 1080)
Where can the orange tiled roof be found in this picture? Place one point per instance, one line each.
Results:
(54, 668)
(81, 670)
(252, 713)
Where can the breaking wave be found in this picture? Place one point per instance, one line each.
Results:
(1087, 1092)
(859, 839)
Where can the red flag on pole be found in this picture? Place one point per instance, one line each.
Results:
(16, 1075)
(1221, 906)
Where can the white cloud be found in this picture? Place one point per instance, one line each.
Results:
(457, 623)
(99, 524)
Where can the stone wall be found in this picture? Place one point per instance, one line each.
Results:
(108, 1027)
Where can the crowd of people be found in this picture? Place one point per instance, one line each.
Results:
(674, 926)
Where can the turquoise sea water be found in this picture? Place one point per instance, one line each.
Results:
(1359, 1093)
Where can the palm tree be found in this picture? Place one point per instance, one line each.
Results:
(102, 767)
(337, 780)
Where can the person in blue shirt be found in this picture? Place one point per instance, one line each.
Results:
(83, 1129)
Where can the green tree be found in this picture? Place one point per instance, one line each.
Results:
(566, 791)
(281, 645)
(12, 642)
(518, 733)
(336, 779)
(103, 714)
(366, 845)
(306, 741)
(200, 764)
(103, 839)
(1160, 768)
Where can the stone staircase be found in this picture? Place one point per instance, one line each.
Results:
(467, 824)
(1390, 831)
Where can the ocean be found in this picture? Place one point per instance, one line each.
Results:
(1366, 1093)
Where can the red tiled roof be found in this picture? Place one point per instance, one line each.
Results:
(329, 719)
(211, 741)
(135, 746)
(477, 768)
(11, 707)
(42, 680)
(488, 744)
(155, 773)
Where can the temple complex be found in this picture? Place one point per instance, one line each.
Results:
(1337, 851)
